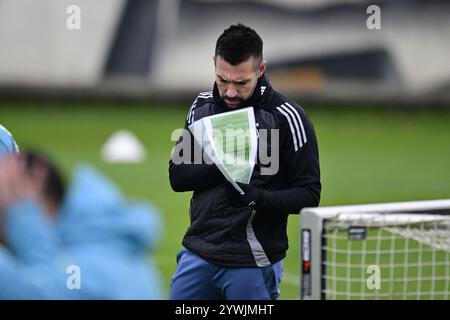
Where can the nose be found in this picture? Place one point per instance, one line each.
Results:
(231, 91)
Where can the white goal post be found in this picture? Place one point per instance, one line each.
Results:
(408, 243)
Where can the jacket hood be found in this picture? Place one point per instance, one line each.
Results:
(95, 211)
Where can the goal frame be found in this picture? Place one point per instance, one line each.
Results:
(312, 248)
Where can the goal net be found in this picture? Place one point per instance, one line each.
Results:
(377, 251)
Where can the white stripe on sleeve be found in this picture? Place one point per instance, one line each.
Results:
(299, 121)
(291, 126)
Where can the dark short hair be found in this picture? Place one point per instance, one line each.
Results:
(54, 187)
(238, 43)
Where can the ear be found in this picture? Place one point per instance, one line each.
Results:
(262, 68)
(214, 59)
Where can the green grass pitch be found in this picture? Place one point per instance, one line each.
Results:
(367, 156)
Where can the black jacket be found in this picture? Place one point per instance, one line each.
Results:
(241, 237)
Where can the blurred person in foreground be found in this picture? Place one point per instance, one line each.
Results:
(86, 243)
(235, 245)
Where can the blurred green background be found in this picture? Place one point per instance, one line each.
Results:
(367, 155)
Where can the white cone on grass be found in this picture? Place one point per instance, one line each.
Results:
(123, 147)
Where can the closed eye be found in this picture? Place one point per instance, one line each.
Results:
(239, 83)
(222, 80)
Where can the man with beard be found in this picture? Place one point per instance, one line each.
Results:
(235, 245)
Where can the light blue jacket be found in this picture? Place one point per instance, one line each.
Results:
(99, 244)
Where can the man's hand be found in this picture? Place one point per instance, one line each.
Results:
(252, 196)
